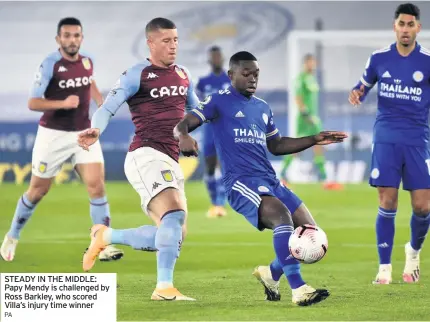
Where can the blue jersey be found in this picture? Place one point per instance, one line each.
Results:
(403, 95)
(212, 83)
(243, 125)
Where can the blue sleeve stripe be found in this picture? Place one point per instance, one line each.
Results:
(275, 131)
(199, 115)
(365, 83)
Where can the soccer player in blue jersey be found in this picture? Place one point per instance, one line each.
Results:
(244, 125)
(212, 83)
(400, 138)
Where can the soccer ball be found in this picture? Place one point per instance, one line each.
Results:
(308, 244)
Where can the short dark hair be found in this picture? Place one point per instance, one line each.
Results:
(159, 23)
(70, 21)
(215, 49)
(407, 9)
(308, 56)
(241, 56)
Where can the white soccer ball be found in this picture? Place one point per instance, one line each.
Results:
(308, 244)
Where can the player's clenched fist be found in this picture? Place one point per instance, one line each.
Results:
(328, 137)
(355, 95)
(71, 102)
(188, 146)
(88, 138)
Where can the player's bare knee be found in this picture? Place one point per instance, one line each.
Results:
(273, 213)
(388, 198)
(421, 207)
(96, 188)
(167, 200)
(302, 216)
(38, 188)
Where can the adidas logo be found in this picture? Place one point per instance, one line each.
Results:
(383, 245)
(151, 75)
(386, 74)
(62, 69)
(240, 114)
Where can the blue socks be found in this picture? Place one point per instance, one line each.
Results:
(385, 234)
(168, 243)
(99, 211)
(290, 266)
(216, 190)
(276, 270)
(419, 229)
(141, 238)
(24, 210)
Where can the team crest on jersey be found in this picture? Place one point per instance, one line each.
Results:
(418, 76)
(265, 118)
(43, 166)
(86, 63)
(167, 175)
(180, 73)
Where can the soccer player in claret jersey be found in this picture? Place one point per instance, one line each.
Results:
(157, 91)
(400, 138)
(62, 90)
(244, 125)
(212, 83)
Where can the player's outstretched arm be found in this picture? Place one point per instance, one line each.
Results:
(187, 144)
(127, 85)
(365, 84)
(286, 145)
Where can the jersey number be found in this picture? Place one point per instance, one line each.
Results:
(428, 165)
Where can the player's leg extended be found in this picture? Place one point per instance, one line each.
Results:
(416, 178)
(272, 274)
(214, 184)
(276, 216)
(49, 154)
(386, 174)
(38, 188)
(168, 208)
(92, 174)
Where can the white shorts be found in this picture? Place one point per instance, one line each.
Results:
(150, 171)
(52, 148)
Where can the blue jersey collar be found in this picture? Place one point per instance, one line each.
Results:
(416, 49)
(238, 95)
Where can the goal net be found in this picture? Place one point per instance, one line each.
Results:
(341, 56)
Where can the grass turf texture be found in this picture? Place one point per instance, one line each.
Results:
(219, 255)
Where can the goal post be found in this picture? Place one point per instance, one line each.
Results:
(344, 54)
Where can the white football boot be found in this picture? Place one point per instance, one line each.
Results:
(271, 287)
(110, 253)
(306, 295)
(411, 273)
(384, 274)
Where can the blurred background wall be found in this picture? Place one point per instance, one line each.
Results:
(114, 35)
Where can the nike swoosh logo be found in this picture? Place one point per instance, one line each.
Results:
(167, 298)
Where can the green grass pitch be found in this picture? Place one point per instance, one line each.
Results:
(219, 256)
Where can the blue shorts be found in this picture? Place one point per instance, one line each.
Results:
(208, 141)
(244, 197)
(392, 163)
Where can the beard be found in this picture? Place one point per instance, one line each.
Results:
(71, 50)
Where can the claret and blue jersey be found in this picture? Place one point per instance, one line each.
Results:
(401, 131)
